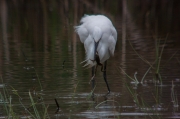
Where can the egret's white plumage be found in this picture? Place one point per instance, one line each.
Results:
(97, 29)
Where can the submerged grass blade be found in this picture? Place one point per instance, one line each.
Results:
(4, 102)
(127, 75)
(4, 97)
(140, 56)
(26, 109)
(38, 80)
(34, 106)
(135, 77)
(160, 56)
(170, 58)
(145, 106)
(11, 114)
(14, 91)
(134, 95)
(46, 113)
(91, 93)
(178, 60)
(10, 108)
(174, 96)
(105, 102)
(145, 74)
(75, 90)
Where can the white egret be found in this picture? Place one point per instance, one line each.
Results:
(99, 37)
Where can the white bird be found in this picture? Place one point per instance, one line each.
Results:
(99, 37)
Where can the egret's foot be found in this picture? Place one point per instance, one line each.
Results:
(107, 94)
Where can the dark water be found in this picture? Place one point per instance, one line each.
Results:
(41, 54)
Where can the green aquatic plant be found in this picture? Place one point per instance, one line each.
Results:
(91, 94)
(101, 103)
(174, 96)
(158, 58)
(141, 104)
(4, 97)
(75, 88)
(134, 95)
(6, 101)
(178, 60)
(141, 57)
(135, 80)
(38, 80)
(36, 106)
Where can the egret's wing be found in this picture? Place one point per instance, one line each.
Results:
(112, 40)
(89, 47)
(84, 18)
(114, 33)
(82, 32)
(112, 44)
(103, 52)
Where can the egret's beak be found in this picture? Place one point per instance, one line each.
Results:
(96, 45)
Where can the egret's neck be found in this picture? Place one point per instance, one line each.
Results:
(97, 33)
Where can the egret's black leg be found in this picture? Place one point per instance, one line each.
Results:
(104, 75)
(94, 69)
(92, 79)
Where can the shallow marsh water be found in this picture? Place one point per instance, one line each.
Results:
(40, 53)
